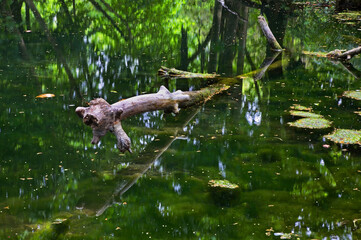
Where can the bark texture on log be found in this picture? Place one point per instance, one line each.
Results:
(269, 35)
(338, 54)
(103, 117)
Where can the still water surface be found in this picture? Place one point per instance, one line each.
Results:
(291, 185)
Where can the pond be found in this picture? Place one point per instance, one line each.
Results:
(292, 183)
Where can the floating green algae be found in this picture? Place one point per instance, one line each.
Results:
(345, 136)
(305, 114)
(222, 184)
(355, 94)
(311, 123)
(299, 107)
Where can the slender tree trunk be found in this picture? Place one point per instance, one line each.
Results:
(225, 65)
(27, 17)
(184, 50)
(74, 9)
(242, 38)
(23, 49)
(53, 43)
(213, 54)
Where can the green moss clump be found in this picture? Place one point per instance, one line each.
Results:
(222, 184)
(299, 107)
(311, 123)
(353, 94)
(345, 136)
(223, 192)
(305, 114)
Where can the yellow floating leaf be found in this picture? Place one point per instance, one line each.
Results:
(46, 95)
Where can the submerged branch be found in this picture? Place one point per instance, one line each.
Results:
(144, 161)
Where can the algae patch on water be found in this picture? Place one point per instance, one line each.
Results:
(345, 136)
(311, 123)
(305, 114)
(356, 94)
(299, 107)
(222, 184)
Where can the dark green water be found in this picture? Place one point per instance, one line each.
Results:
(289, 182)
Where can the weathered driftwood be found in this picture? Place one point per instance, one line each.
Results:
(338, 54)
(103, 117)
(269, 35)
(175, 73)
(257, 74)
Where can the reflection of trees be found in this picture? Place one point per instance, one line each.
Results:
(100, 61)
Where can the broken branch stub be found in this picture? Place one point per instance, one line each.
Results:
(103, 117)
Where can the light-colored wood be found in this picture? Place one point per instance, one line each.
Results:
(268, 34)
(103, 117)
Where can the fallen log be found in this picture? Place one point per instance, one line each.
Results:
(336, 54)
(175, 73)
(103, 117)
(272, 41)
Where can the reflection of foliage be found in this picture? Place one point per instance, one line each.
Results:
(311, 189)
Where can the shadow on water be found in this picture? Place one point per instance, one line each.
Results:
(56, 185)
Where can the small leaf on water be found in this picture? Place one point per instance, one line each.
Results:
(45, 95)
(113, 91)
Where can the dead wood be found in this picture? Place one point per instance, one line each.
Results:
(268, 34)
(103, 117)
(344, 55)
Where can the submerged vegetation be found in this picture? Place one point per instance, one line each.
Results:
(345, 136)
(311, 123)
